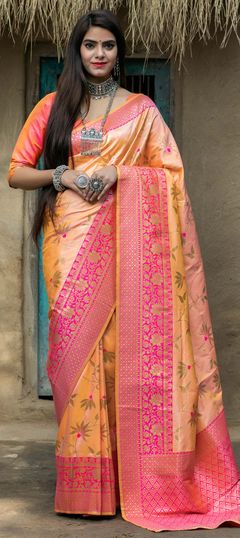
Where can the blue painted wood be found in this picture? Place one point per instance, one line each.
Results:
(50, 69)
(160, 71)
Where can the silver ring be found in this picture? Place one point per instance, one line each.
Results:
(96, 184)
(82, 181)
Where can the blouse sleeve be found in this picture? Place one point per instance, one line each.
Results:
(29, 145)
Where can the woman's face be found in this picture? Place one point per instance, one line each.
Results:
(98, 53)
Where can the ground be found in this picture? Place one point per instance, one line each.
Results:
(27, 483)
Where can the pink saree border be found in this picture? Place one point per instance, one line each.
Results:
(205, 498)
(86, 485)
(83, 306)
(145, 325)
(157, 318)
(159, 489)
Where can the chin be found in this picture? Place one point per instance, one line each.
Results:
(99, 72)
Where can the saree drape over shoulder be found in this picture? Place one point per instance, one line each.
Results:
(132, 360)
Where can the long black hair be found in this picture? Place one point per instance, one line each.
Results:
(72, 92)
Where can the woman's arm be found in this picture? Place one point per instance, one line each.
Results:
(23, 173)
(28, 149)
(27, 178)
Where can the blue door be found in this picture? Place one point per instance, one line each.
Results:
(154, 81)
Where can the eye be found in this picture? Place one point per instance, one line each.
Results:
(89, 45)
(109, 46)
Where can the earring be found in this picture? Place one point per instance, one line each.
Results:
(116, 69)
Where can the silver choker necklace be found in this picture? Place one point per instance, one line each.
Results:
(92, 138)
(102, 89)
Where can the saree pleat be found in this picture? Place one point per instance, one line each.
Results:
(87, 479)
(132, 360)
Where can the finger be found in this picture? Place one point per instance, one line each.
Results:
(104, 191)
(76, 188)
(93, 194)
(87, 190)
(93, 197)
(88, 195)
(78, 191)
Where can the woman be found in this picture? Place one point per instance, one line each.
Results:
(127, 298)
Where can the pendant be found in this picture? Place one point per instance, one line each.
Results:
(91, 141)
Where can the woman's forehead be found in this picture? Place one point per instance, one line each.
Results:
(96, 33)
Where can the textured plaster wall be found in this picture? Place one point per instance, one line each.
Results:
(12, 86)
(210, 142)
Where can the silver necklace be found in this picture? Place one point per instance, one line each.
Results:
(91, 139)
(102, 89)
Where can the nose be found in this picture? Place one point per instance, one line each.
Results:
(99, 51)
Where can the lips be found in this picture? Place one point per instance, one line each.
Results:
(99, 64)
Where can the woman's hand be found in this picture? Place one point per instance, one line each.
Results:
(108, 175)
(68, 180)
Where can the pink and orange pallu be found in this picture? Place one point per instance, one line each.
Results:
(131, 360)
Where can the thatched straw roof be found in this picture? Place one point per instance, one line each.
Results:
(169, 25)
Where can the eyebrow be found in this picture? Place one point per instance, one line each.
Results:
(103, 42)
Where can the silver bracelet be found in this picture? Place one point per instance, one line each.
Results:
(57, 176)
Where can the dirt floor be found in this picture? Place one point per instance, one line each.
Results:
(27, 484)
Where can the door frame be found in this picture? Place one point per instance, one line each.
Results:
(30, 252)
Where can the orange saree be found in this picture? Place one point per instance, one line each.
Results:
(132, 360)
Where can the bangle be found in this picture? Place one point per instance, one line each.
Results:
(57, 176)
